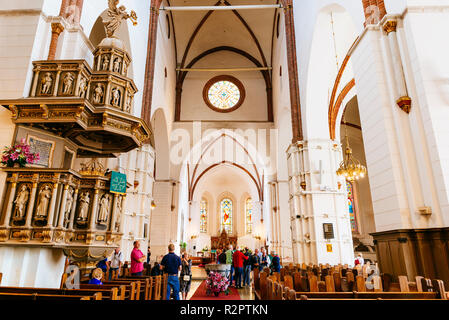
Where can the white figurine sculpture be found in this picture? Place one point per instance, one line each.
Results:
(115, 16)
(21, 203)
(47, 82)
(68, 83)
(115, 100)
(43, 202)
(82, 87)
(104, 208)
(98, 94)
(84, 206)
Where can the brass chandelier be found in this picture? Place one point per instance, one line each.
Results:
(350, 168)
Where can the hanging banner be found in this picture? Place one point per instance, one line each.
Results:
(118, 183)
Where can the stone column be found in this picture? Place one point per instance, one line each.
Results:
(403, 99)
(122, 216)
(114, 213)
(295, 103)
(93, 214)
(374, 11)
(63, 207)
(52, 209)
(151, 59)
(10, 204)
(31, 206)
(35, 83)
(56, 30)
(73, 211)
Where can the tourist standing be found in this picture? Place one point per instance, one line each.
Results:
(186, 275)
(171, 264)
(247, 268)
(275, 263)
(222, 258)
(229, 254)
(238, 257)
(148, 255)
(264, 260)
(255, 260)
(359, 260)
(115, 262)
(137, 259)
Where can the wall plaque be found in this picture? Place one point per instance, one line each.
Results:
(328, 229)
(45, 149)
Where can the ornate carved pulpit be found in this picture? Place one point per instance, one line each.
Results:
(73, 110)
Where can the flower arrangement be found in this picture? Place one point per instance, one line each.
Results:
(19, 154)
(217, 283)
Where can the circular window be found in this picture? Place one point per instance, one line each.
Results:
(224, 94)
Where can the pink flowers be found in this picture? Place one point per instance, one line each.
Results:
(19, 154)
(217, 283)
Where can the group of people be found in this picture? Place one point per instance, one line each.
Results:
(179, 269)
(243, 262)
(171, 265)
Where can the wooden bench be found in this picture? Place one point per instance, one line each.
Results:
(110, 294)
(318, 283)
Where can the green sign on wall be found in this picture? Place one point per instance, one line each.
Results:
(118, 183)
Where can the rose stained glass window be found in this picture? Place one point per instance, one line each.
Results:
(226, 215)
(352, 207)
(224, 95)
(249, 215)
(203, 216)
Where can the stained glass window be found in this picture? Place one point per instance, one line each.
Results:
(224, 95)
(203, 216)
(249, 215)
(352, 206)
(226, 215)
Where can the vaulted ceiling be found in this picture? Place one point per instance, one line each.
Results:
(248, 30)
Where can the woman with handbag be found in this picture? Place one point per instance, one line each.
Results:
(186, 276)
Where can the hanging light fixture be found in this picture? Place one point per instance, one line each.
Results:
(350, 168)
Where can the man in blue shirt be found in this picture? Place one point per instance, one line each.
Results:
(171, 264)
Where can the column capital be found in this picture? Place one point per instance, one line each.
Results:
(57, 27)
(390, 26)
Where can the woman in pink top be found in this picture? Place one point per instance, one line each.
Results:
(137, 259)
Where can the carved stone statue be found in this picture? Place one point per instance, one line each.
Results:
(128, 104)
(105, 63)
(21, 203)
(115, 16)
(98, 94)
(104, 208)
(84, 206)
(47, 82)
(116, 97)
(68, 204)
(119, 213)
(116, 65)
(82, 87)
(125, 68)
(68, 83)
(43, 202)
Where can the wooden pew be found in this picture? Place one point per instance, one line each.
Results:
(43, 297)
(110, 294)
(123, 291)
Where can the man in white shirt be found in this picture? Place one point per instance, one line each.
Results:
(115, 262)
